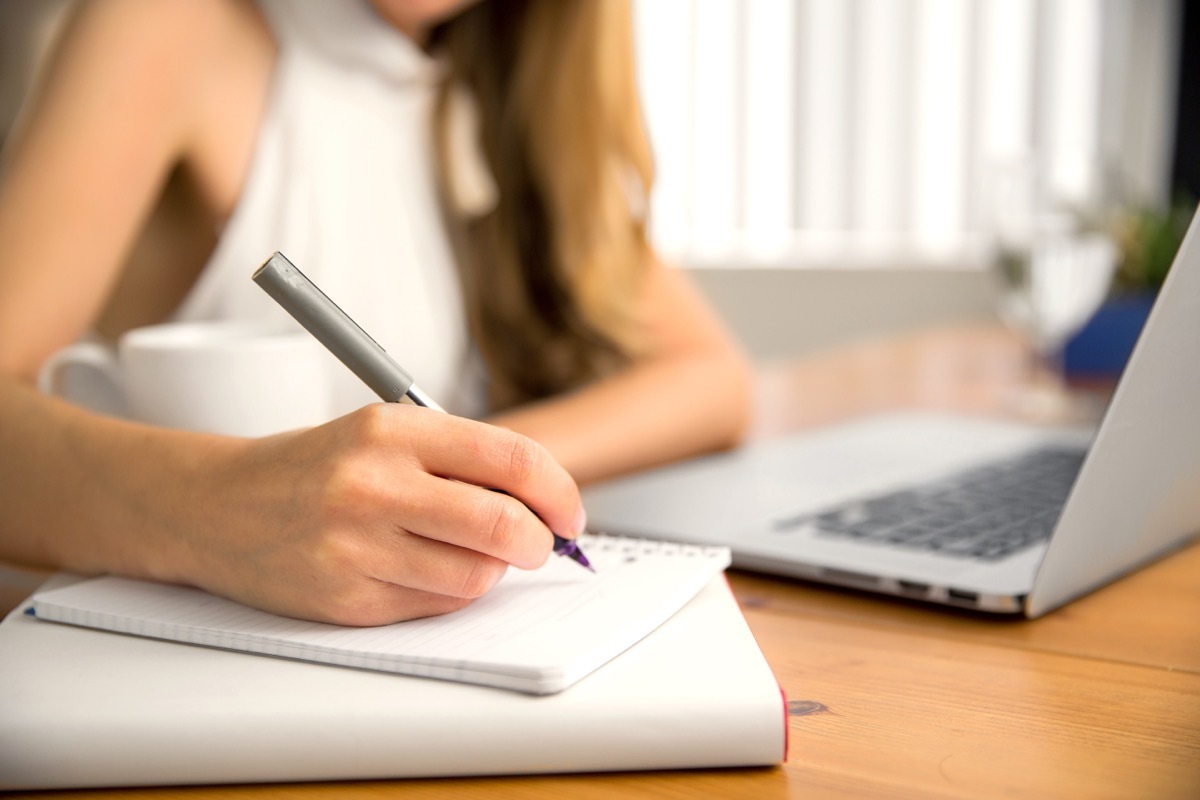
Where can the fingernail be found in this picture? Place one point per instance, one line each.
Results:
(579, 525)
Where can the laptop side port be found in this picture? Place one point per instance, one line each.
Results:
(913, 588)
(962, 596)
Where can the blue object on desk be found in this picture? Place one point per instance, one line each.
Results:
(1103, 345)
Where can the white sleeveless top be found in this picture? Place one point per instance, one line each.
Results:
(343, 183)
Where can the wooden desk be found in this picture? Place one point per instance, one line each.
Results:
(892, 699)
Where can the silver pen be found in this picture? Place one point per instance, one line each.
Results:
(342, 336)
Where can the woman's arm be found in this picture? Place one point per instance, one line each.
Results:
(690, 393)
(134, 94)
(112, 116)
(374, 517)
(80, 176)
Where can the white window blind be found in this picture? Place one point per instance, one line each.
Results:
(860, 132)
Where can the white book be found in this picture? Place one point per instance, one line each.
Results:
(87, 708)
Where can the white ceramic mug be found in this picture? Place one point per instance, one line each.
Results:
(230, 377)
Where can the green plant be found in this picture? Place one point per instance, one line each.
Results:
(1148, 240)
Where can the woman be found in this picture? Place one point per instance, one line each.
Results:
(474, 173)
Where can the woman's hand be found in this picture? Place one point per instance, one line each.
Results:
(376, 517)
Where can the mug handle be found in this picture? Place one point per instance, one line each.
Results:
(86, 374)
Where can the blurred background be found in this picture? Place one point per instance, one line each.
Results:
(833, 170)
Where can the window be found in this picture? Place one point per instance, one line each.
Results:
(861, 132)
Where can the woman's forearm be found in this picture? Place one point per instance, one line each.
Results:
(654, 412)
(381, 515)
(89, 493)
(688, 393)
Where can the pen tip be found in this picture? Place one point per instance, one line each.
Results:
(570, 549)
(579, 558)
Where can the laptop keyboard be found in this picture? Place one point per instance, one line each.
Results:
(986, 512)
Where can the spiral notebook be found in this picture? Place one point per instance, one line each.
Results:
(537, 631)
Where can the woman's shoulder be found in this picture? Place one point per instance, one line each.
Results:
(156, 52)
(140, 28)
(183, 79)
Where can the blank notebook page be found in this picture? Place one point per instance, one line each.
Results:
(537, 631)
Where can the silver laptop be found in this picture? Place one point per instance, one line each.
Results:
(971, 512)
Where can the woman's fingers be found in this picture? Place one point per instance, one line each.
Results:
(403, 576)
(494, 458)
(467, 516)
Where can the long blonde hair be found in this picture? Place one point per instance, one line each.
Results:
(551, 270)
